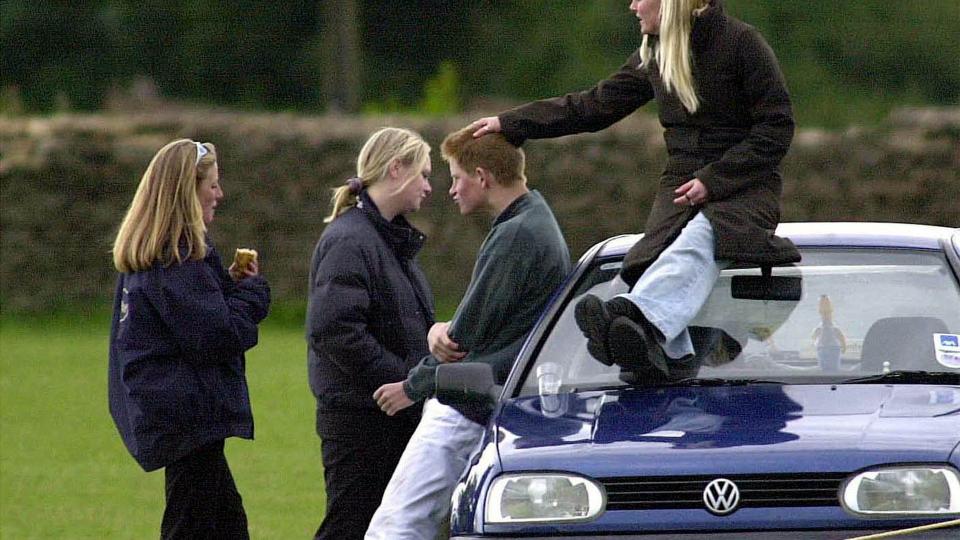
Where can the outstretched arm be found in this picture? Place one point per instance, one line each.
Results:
(594, 109)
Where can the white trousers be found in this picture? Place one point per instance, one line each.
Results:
(417, 499)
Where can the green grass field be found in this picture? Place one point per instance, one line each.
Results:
(64, 472)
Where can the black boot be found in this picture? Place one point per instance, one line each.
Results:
(618, 333)
(593, 318)
(633, 346)
(684, 368)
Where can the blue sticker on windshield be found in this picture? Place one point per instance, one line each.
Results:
(947, 348)
(944, 396)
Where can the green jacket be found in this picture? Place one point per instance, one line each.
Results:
(523, 260)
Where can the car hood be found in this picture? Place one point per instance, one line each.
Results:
(731, 429)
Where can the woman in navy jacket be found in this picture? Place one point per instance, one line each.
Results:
(369, 311)
(180, 327)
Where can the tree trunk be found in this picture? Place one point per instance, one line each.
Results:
(340, 54)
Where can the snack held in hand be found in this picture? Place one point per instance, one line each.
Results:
(243, 257)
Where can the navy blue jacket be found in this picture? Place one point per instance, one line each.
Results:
(176, 376)
(369, 311)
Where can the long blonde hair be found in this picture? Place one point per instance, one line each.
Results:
(166, 210)
(673, 52)
(373, 163)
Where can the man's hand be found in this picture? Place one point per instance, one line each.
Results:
(691, 194)
(391, 398)
(441, 346)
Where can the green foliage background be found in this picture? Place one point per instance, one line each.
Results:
(67, 180)
(845, 61)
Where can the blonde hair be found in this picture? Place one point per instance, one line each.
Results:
(673, 52)
(492, 152)
(373, 163)
(166, 210)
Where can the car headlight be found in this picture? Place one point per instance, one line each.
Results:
(531, 497)
(908, 490)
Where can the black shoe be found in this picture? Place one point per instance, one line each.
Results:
(594, 320)
(620, 306)
(684, 368)
(617, 332)
(594, 316)
(712, 346)
(632, 346)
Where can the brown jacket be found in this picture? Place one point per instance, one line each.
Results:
(733, 143)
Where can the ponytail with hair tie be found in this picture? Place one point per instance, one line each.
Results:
(355, 185)
(345, 197)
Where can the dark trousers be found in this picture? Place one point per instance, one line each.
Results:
(202, 499)
(360, 452)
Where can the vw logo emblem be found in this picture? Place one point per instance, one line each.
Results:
(721, 496)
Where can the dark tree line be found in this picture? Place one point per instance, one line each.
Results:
(842, 59)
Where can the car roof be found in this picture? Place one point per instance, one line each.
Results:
(834, 234)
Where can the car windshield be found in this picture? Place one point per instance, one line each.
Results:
(861, 313)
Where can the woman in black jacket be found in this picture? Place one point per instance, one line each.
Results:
(728, 122)
(369, 312)
(181, 325)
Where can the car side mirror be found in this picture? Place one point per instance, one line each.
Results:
(469, 388)
(767, 287)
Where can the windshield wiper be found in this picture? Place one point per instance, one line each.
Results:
(908, 377)
(690, 381)
(694, 381)
(595, 388)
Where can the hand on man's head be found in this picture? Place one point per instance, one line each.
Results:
(481, 127)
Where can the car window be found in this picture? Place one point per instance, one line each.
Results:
(862, 312)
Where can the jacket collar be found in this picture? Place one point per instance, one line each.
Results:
(403, 238)
(709, 18)
(708, 22)
(519, 205)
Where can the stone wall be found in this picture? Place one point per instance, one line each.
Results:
(65, 182)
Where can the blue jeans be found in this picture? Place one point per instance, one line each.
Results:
(672, 290)
(417, 498)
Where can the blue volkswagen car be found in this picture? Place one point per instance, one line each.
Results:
(824, 403)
